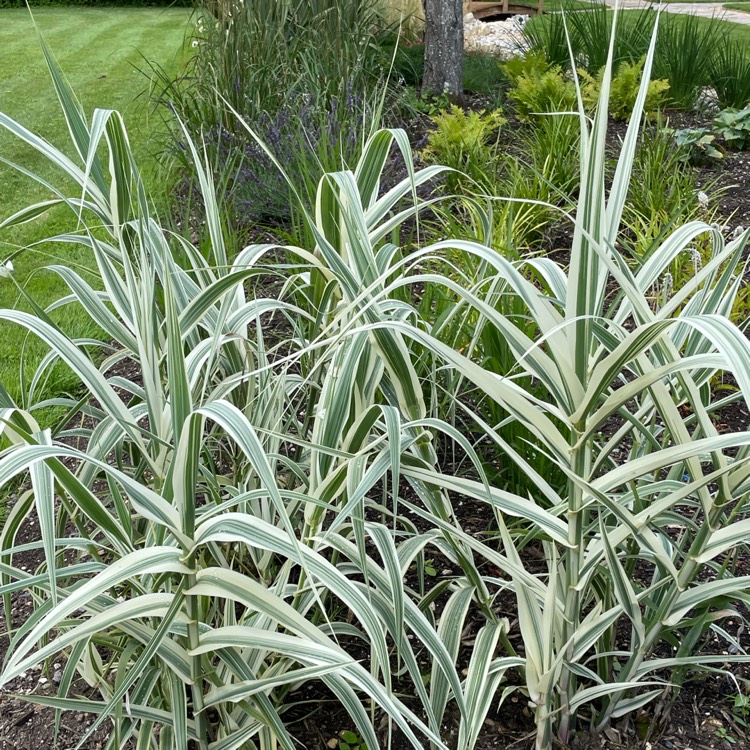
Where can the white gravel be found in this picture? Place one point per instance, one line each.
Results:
(501, 38)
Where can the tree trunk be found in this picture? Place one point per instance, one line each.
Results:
(444, 49)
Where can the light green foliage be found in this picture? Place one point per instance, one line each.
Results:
(692, 52)
(536, 89)
(552, 147)
(465, 141)
(740, 313)
(624, 91)
(697, 145)
(529, 65)
(528, 175)
(351, 741)
(733, 127)
(540, 173)
(655, 205)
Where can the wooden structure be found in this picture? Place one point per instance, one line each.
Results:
(488, 9)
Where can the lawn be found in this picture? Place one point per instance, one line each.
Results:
(738, 6)
(729, 30)
(102, 52)
(552, 6)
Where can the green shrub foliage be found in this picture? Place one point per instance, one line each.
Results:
(691, 52)
(538, 86)
(624, 90)
(697, 145)
(464, 141)
(733, 127)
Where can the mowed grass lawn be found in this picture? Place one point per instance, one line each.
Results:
(103, 53)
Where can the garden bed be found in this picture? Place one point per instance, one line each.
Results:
(387, 465)
(704, 715)
(700, 718)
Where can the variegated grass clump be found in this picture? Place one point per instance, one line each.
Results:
(258, 501)
(219, 503)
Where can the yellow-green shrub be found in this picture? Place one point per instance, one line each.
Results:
(624, 90)
(464, 141)
(539, 90)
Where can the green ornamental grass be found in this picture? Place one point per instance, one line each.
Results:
(692, 52)
(729, 74)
